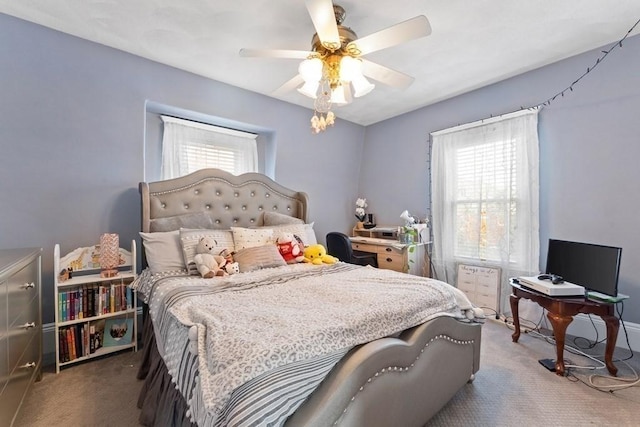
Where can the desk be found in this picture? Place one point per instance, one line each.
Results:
(393, 255)
(560, 311)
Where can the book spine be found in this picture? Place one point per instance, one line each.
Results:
(92, 337)
(71, 344)
(129, 298)
(79, 312)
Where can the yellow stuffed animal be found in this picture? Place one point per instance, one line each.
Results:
(317, 254)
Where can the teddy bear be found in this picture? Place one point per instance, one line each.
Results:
(230, 266)
(208, 264)
(317, 254)
(289, 247)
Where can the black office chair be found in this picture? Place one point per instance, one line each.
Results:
(339, 245)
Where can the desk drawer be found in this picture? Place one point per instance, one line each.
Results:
(391, 262)
(390, 250)
(364, 247)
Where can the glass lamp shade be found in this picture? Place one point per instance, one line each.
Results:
(309, 89)
(109, 254)
(351, 71)
(341, 95)
(361, 86)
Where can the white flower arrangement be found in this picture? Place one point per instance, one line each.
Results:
(361, 205)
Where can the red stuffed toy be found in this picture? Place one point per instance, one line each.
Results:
(289, 248)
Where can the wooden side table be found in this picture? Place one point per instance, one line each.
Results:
(560, 311)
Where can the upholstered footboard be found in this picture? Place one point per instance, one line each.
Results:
(400, 381)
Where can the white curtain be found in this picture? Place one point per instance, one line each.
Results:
(188, 146)
(485, 191)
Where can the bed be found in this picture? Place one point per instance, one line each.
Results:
(197, 331)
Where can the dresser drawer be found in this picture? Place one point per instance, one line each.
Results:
(22, 291)
(21, 333)
(19, 381)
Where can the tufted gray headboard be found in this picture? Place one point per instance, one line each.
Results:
(213, 198)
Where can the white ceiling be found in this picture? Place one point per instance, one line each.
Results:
(473, 43)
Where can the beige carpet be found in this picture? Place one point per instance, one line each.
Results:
(511, 389)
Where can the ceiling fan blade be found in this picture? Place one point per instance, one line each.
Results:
(289, 86)
(324, 21)
(404, 31)
(275, 53)
(386, 75)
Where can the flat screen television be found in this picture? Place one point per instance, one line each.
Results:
(595, 267)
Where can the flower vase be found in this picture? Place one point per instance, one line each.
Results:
(109, 254)
(359, 225)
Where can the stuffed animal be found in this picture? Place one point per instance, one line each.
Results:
(208, 264)
(317, 254)
(289, 248)
(230, 266)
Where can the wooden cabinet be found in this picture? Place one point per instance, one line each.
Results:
(393, 255)
(94, 315)
(20, 327)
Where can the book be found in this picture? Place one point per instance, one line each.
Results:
(98, 334)
(118, 332)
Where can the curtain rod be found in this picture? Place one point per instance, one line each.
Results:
(492, 119)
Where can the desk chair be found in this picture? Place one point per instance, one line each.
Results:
(339, 245)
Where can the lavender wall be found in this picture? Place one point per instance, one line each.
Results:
(72, 135)
(589, 151)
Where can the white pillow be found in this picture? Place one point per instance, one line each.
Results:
(162, 251)
(189, 239)
(251, 237)
(303, 231)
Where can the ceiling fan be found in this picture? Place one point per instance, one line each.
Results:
(334, 71)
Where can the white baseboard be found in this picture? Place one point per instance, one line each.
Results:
(582, 327)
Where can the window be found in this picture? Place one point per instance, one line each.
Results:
(485, 196)
(188, 146)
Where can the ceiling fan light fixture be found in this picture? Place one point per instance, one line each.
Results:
(341, 94)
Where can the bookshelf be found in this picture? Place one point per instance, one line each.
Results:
(94, 315)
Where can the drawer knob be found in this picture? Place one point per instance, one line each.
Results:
(387, 249)
(28, 365)
(389, 259)
(29, 325)
(29, 285)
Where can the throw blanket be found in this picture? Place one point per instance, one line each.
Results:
(247, 325)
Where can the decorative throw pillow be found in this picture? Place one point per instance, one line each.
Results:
(275, 218)
(162, 251)
(257, 257)
(189, 239)
(303, 231)
(251, 237)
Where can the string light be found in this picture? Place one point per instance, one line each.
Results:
(569, 88)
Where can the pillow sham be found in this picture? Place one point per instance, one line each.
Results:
(257, 257)
(250, 237)
(303, 231)
(162, 251)
(276, 218)
(189, 239)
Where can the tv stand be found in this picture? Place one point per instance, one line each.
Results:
(560, 311)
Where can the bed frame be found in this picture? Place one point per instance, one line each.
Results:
(399, 381)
